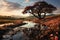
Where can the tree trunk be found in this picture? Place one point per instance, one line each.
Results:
(39, 15)
(44, 15)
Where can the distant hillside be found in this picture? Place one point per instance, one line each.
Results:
(7, 17)
(18, 17)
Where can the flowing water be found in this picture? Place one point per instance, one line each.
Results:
(19, 34)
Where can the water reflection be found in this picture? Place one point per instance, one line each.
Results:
(16, 33)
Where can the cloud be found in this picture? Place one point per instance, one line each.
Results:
(11, 9)
(9, 5)
(57, 11)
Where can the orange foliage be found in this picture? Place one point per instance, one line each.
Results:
(53, 22)
(18, 21)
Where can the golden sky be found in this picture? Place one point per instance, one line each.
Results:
(7, 9)
(10, 8)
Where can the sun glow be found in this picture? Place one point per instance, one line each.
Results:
(5, 12)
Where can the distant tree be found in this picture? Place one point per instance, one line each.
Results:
(40, 7)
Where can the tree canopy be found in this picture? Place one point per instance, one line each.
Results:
(39, 8)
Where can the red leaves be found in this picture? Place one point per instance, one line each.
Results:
(53, 22)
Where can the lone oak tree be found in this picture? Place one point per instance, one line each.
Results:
(38, 8)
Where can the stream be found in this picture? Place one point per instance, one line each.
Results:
(16, 33)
